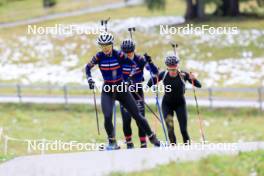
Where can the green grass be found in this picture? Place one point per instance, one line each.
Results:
(26, 9)
(78, 123)
(4, 158)
(243, 164)
(172, 9)
(159, 45)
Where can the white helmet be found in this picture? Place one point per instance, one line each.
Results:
(105, 38)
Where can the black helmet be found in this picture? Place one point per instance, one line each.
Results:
(172, 60)
(105, 38)
(128, 46)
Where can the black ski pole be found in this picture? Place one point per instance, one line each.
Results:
(131, 30)
(174, 46)
(104, 23)
(96, 112)
(149, 108)
(159, 108)
(198, 113)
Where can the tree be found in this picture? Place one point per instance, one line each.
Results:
(194, 9)
(200, 8)
(155, 4)
(228, 8)
(49, 3)
(190, 9)
(260, 3)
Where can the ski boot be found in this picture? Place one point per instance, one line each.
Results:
(130, 145)
(143, 145)
(112, 146)
(154, 140)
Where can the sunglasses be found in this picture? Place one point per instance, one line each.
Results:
(172, 69)
(106, 47)
(130, 54)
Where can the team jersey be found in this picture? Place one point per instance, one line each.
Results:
(177, 83)
(109, 65)
(136, 68)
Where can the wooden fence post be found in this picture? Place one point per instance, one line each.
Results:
(65, 90)
(260, 98)
(18, 88)
(210, 97)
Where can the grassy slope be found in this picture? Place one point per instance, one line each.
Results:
(157, 50)
(78, 123)
(172, 8)
(244, 164)
(25, 9)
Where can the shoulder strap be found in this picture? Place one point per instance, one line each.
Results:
(181, 76)
(165, 74)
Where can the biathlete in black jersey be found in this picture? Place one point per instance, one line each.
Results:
(174, 100)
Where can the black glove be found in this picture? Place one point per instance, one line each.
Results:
(129, 80)
(148, 58)
(91, 83)
(149, 84)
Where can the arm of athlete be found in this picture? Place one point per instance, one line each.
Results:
(88, 68)
(155, 80)
(191, 77)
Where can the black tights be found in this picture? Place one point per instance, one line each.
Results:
(168, 109)
(126, 100)
(139, 97)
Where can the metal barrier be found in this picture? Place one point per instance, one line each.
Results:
(64, 90)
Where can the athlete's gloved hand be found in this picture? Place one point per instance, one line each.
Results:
(129, 80)
(91, 83)
(148, 58)
(149, 84)
(192, 76)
